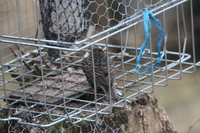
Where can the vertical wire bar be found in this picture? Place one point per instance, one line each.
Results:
(20, 54)
(42, 77)
(123, 50)
(165, 47)
(37, 19)
(185, 39)
(27, 22)
(127, 31)
(8, 17)
(109, 80)
(43, 84)
(62, 75)
(192, 30)
(2, 68)
(95, 86)
(35, 13)
(56, 7)
(122, 65)
(179, 42)
(107, 14)
(151, 64)
(136, 51)
(108, 66)
(185, 30)
(126, 40)
(57, 19)
(58, 39)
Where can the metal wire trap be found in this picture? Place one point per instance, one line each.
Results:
(42, 81)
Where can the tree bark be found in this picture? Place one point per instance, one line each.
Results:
(145, 116)
(140, 116)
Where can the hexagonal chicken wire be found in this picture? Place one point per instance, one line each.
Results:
(43, 43)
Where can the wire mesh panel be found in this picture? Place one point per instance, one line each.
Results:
(44, 43)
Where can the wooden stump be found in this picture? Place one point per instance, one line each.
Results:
(145, 116)
(140, 116)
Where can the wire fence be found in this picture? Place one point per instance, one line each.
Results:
(45, 84)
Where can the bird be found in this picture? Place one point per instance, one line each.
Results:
(100, 62)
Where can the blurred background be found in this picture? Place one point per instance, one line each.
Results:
(181, 98)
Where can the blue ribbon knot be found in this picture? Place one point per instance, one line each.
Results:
(147, 16)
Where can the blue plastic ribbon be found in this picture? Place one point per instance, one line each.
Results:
(147, 15)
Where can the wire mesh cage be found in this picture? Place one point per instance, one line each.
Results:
(44, 42)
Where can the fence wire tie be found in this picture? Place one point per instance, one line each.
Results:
(147, 15)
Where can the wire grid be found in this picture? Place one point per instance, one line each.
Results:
(57, 90)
